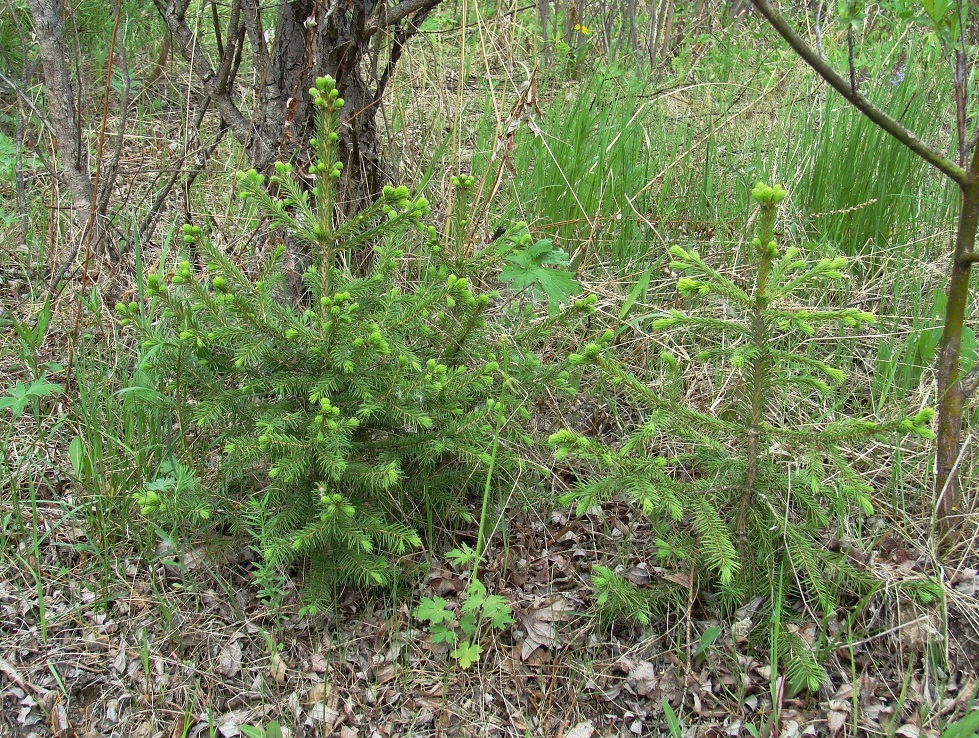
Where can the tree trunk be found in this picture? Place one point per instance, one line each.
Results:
(953, 391)
(312, 38)
(62, 111)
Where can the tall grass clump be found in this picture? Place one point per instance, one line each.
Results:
(758, 487)
(335, 428)
(865, 193)
(576, 169)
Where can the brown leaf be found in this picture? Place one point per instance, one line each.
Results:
(277, 667)
(229, 659)
(645, 676)
(540, 625)
(678, 578)
(835, 720)
(581, 730)
(60, 726)
(319, 692)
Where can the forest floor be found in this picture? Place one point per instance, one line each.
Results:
(183, 646)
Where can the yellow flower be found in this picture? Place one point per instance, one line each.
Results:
(581, 28)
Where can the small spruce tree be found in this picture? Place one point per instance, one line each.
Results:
(337, 431)
(750, 494)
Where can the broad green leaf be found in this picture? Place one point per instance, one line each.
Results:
(497, 610)
(76, 453)
(467, 654)
(542, 269)
(964, 728)
(433, 609)
(707, 640)
(443, 634)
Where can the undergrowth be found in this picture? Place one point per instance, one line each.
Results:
(336, 427)
(751, 503)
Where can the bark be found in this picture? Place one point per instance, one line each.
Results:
(63, 114)
(312, 38)
(953, 391)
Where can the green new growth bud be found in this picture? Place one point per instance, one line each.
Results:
(220, 283)
(607, 335)
(763, 194)
(837, 375)
(592, 352)
(338, 103)
(186, 335)
(692, 287)
(668, 359)
(791, 253)
(678, 252)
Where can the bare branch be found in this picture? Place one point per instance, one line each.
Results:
(384, 16)
(888, 124)
(173, 13)
(970, 382)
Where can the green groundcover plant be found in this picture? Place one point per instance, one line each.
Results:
(763, 484)
(337, 428)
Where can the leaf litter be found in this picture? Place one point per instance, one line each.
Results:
(161, 651)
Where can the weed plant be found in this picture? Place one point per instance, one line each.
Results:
(336, 429)
(751, 502)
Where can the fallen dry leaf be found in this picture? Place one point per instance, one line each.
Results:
(581, 730)
(229, 659)
(229, 724)
(59, 721)
(277, 667)
(324, 714)
(645, 676)
(319, 692)
(540, 625)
